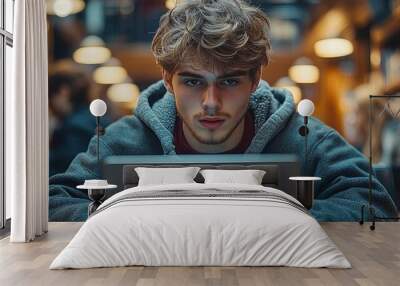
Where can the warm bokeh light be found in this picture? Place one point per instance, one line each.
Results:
(288, 84)
(303, 71)
(64, 8)
(333, 48)
(109, 75)
(92, 51)
(92, 55)
(375, 58)
(111, 72)
(170, 4)
(124, 93)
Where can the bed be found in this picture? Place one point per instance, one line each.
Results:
(202, 223)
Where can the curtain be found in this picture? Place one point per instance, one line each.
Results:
(27, 124)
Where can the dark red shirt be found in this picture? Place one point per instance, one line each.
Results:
(183, 147)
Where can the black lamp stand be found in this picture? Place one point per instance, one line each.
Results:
(305, 185)
(99, 132)
(96, 195)
(303, 131)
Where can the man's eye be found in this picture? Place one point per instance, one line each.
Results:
(193, 82)
(229, 82)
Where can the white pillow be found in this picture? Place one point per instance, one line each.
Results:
(248, 177)
(164, 176)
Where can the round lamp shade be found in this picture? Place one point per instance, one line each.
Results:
(92, 51)
(98, 107)
(64, 8)
(111, 72)
(109, 75)
(91, 55)
(304, 71)
(305, 107)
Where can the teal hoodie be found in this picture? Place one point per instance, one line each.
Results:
(344, 170)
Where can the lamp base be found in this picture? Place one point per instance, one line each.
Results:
(305, 190)
(374, 218)
(93, 207)
(96, 195)
(305, 193)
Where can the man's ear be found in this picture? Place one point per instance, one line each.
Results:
(167, 77)
(256, 79)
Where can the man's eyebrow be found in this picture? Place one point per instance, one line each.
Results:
(233, 74)
(229, 74)
(190, 74)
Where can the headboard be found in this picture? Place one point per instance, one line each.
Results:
(120, 170)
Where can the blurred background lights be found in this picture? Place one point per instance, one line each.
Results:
(123, 92)
(303, 71)
(375, 58)
(332, 48)
(287, 83)
(64, 8)
(126, 93)
(92, 51)
(110, 73)
(170, 4)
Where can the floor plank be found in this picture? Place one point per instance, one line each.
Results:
(374, 255)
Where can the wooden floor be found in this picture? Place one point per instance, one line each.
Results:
(374, 255)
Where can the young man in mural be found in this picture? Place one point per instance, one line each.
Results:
(211, 100)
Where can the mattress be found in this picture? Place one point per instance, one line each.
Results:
(201, 225)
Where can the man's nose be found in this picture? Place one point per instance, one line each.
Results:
(211, 101)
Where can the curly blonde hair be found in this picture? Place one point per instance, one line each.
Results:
(213, 32)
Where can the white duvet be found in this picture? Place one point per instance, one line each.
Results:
(206, 230)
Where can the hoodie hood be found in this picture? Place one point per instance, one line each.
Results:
(271, 107)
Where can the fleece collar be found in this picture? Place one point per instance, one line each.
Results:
(272, 108)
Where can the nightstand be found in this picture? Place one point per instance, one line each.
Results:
(96, 192)
(305, 189)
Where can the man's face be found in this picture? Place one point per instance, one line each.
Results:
(211, 103)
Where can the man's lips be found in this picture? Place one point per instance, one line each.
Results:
(211, 122)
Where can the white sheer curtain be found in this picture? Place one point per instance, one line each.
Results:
(27, 124)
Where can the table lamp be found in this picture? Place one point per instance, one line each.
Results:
(304, 184)
(98, 108)
(97, 187)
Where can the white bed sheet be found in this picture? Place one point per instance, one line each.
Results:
(191, 231)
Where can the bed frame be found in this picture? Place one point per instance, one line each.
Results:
(120, 170)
